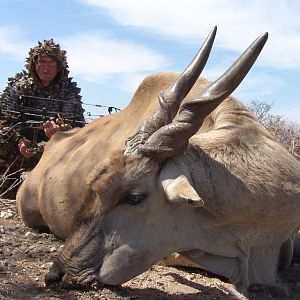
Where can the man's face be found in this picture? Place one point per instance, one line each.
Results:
(47, 69)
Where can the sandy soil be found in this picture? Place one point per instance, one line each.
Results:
(26, 256)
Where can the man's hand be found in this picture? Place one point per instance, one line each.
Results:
(50, 127)
(23, 148)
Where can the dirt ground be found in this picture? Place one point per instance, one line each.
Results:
(26, 256)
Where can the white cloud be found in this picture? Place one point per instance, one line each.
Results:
(239, 23)
(98, 57)
(130, 82)
(258, 86)
(11, 43)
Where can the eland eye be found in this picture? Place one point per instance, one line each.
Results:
(133, 199)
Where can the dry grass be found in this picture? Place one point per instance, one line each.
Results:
(10, 180)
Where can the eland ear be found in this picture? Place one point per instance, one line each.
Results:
(177, 186)
(179, 190)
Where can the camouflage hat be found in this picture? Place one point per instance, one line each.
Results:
(51, 49)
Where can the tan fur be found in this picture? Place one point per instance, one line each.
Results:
(249, 184)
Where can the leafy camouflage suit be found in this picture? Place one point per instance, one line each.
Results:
(30, 101)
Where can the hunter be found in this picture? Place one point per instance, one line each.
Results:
(36, 103)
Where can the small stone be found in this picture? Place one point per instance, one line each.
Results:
(52, 249)
(12, 264)
(6, 214)
(7, 252)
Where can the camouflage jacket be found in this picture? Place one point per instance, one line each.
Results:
(34, 102)
(25, 100)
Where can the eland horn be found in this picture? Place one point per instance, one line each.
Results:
(171, 139)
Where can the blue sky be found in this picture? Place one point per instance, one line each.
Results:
(112, 45)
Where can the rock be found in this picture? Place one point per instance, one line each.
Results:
(52, 249)
(6, 214)
(7, 251)
(28, 234)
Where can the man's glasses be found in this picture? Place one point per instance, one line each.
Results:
(44, 63)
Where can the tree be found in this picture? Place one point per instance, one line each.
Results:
(286, 132)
